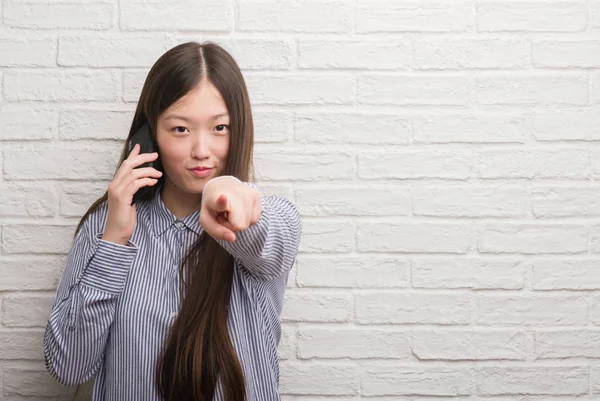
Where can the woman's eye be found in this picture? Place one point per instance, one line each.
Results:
(180, 130)
(222, 127)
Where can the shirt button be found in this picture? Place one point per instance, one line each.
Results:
(179, 224)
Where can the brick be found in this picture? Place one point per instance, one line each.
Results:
(414, 237)
(272, 126)
(567, 125)
(552, 380)
(304, 165)
(574, 274)
(22, 344)
(285, 397)
(353, 201)
(301, 306)
(563, 201)
(479, 127)
(27, 123)
(20, 51)
(444, 54)
(94, 16)
(95, 124)
(27, 310)
(76, 199)
(473, 273)
(567, 54)
(133, 82)
(412, 308)
(594, 379)
(36, 238)
(23, 200)
(327, 236)
(31, 380)
(352, 343)
(352, 272)
(301, 89)
(343, 128)
(60, 86)
(409, 380)
(467, 345)
(534, 164)
(60, 162)
(580, 343)
(595, 309)
(531, 238)
(415, 164)
(282, 189)
(441, 89)
(100, 52)
(595, 15)
(532, 89)
(310, 16)
(471, 201)
(595, 88)
(27, 273)
(287, 343)
(595, 239)
(530, 310)
(354, 54)
(319, 379)
(206, 15)
(530, 16)
(259, 54)
(411, 16)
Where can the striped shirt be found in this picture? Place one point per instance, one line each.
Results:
(115, 303)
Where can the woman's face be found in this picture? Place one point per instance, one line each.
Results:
(193, 139)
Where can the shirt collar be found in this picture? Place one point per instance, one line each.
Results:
(162, 219)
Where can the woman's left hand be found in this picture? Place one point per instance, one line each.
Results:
(229, 206)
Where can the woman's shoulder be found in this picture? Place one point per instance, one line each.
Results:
(95, 221)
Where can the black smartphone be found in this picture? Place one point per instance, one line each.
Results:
(144, 138)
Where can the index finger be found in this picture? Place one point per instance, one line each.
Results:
(216, 230)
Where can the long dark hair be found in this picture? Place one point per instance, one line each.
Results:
(198, 352)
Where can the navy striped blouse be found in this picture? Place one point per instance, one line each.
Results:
(115, 303)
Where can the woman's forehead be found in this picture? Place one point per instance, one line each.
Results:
(199, 105)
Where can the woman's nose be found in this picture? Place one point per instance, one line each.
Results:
(201, 147)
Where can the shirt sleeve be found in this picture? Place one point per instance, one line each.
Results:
(268, 248)
(95, 275)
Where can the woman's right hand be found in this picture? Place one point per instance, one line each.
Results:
(121, 219)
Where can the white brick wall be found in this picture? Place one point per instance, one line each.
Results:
(444, 155)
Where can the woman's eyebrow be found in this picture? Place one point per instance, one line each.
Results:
(177, 117)
(184, 118)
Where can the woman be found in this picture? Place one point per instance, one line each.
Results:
(178, 297)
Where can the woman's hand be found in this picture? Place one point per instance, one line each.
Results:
(128, 179)
(229, 206)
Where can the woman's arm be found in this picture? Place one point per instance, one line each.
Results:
(267, 246)
(84, 308)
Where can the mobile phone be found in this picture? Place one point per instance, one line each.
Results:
(144, 138)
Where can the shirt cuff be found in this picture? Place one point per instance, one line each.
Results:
(109, 267)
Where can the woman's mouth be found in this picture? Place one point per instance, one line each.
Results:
(201, 171)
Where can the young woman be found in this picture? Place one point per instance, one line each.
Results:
(178, 297)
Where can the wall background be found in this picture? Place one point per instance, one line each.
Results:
(445, 156)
